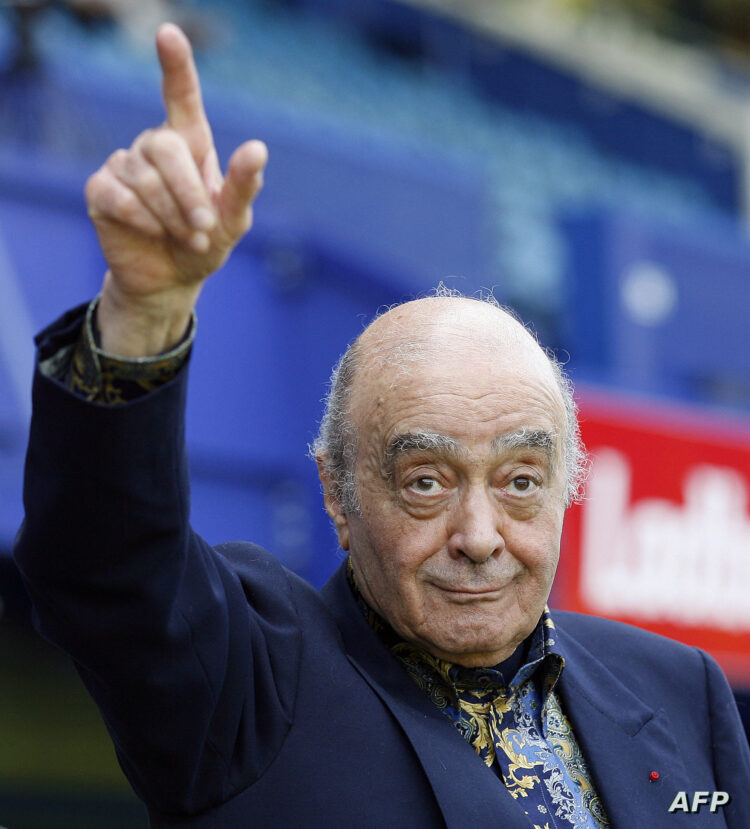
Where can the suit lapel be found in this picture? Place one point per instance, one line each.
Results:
(467, 792)
(623, 741)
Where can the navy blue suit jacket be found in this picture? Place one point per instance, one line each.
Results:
(238, 696)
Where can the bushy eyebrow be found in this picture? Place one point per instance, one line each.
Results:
(526, 439)
(423, 441)
(419, 441)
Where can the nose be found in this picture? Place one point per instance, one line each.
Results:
(475, 530)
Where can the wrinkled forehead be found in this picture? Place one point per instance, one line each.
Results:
(445, 343)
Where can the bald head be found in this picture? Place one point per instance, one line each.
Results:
(439, 329)
(434, 334)
(429, 316)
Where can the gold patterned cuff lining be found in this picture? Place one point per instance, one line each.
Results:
(105, 378)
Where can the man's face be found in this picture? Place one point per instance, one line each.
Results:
(461, 486)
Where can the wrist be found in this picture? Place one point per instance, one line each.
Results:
(132, 326)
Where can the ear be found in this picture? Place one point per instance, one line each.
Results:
(332, 504)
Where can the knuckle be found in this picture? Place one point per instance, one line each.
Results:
(131, 164)
(118, 159)
(149, 180)
(143, 138)
(126, 205)
(92, 186)
(164, 141)
(96, 190)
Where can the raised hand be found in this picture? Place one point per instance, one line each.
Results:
(165, 215)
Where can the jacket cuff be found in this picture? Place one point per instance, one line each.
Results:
(92, 373)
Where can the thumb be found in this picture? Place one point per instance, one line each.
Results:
(242, 183)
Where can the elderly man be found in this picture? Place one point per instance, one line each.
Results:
(427, 684)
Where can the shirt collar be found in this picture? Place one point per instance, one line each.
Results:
(543, 655)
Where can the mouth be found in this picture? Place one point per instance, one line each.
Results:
(470, 594)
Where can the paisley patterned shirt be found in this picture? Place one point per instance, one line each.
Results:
(517, 727)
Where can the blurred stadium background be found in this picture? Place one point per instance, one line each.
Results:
(587, 161)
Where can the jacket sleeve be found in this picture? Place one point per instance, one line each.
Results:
(730, 748)
(195, 682)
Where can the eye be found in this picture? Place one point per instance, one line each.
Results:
(426, 485)
(523, 485)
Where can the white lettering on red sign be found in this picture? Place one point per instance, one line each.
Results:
(657, 560)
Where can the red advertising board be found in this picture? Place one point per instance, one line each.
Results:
(662, 540)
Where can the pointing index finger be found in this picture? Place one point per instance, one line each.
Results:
(181, 90)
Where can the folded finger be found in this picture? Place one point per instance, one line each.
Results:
(137, 174)
(109, 198)
(169, 154)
